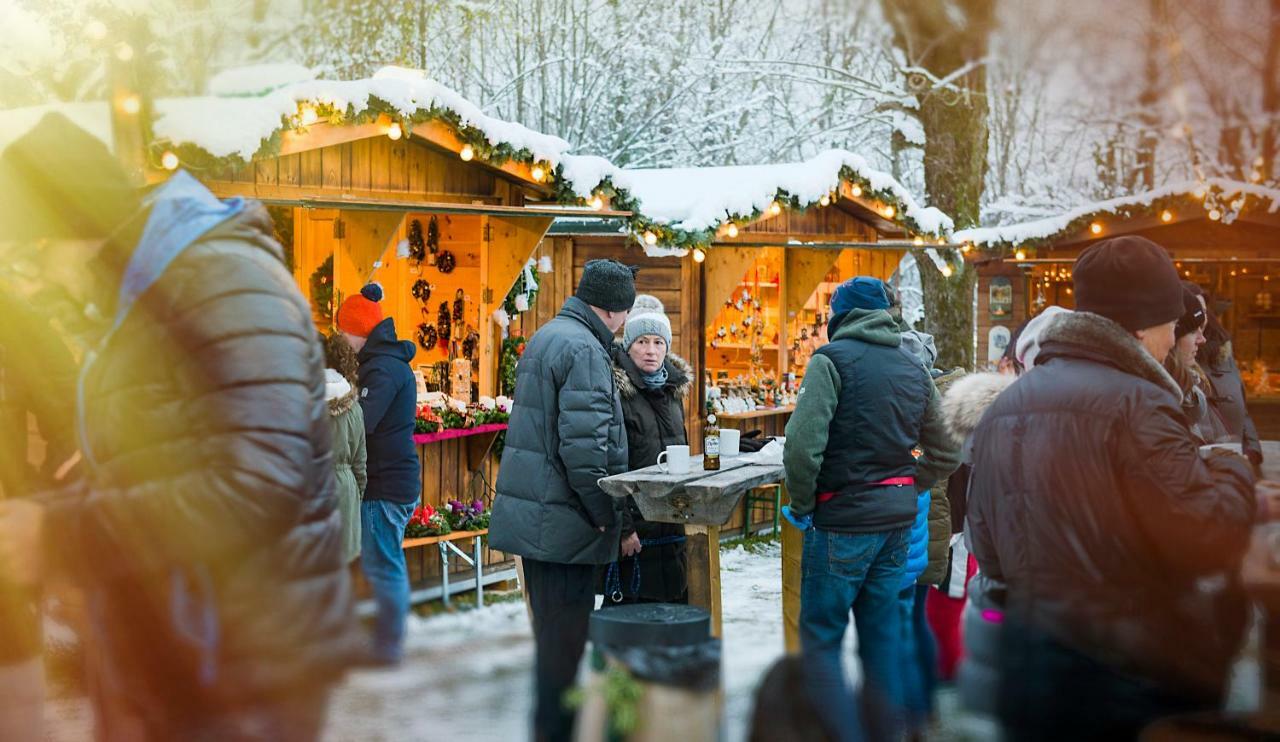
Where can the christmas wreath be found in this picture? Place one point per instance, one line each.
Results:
(322, 288)
(427, 336)
(421, 290)
(446, 262)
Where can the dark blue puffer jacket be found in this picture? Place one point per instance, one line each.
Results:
(389, 399)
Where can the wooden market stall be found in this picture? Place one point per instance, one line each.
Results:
(795, 242)
(445, 215)
(1223, 235)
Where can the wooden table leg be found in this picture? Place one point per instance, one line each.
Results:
(792, 549)
(702, 551)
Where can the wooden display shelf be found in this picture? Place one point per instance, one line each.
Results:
(480, 441)
(411, 543)
(756, 414)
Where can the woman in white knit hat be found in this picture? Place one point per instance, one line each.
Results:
(653, 384)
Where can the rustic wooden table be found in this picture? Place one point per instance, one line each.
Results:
(702, 501)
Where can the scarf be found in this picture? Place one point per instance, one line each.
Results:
(657, 379)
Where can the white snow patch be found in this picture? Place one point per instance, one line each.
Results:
(700, 198)
(258, 79)
(1040, 229)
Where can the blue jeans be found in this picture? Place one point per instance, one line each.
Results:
(919, 657)
(381, 533)
(859, 572)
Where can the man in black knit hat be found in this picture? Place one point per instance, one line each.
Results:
(566, 433)
(1091, 502)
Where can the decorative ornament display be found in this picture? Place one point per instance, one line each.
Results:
(417, 245)
(421, 290)
(525, 291)
(446, 262)
(470, 344)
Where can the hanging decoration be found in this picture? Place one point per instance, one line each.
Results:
(459, 306)
(421, 290)
(322, 288)
(525, 291)
(426, 336)
(433, 239)
(417, 246)
(446, 262)
(444, 324)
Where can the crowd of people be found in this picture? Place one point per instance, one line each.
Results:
(1063, 533)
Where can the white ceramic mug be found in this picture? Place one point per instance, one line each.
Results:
(729, 440)
(674, 460)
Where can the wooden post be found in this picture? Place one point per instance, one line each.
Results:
(702, 550)
(792, 549)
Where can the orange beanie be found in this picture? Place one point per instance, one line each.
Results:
(359, 314)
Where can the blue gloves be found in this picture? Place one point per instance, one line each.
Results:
(803, 522)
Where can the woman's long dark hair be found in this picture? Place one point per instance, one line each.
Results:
(1215, 335)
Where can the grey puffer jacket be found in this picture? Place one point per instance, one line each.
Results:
(1091, 502)
(566, 433)
(206, 536)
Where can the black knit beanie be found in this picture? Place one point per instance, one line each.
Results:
(608, 284)
(1193, 314)
(1130, 280)
(59, 181)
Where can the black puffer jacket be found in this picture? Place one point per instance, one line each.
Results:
(566, 434)
(388, 398)
(207, 537)
(1091, 503)
(655, 420)
(1227, 398)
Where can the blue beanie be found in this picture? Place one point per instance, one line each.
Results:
(862, 292)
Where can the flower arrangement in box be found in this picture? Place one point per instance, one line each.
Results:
(463, 517)
(490, 411)
(427, 521)
(426, 421)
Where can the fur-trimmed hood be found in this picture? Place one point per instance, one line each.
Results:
(1088, 335)
(338, 392)
(964, 404)
(679, 374)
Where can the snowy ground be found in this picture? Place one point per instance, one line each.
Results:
(472, 671)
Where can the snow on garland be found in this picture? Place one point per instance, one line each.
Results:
(1220, 199)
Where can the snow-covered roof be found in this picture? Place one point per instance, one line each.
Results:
(238, 124)
(700, 199)
(1222, 193)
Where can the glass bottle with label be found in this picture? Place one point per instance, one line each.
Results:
(711, 446)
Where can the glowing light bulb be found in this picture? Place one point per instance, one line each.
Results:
(1215, 214)
(918, 241)
(889, 211)
(308, 116)
(825, 200)
(942, 240)
(1069, 291)
(650, 238)
(732, 231)
(1233, 273)
(169, 161)
(699, 255)
(775, 208)
(394, 132)
(856, 190)
(965, 248)
(538, 173)
(1096, 228)
(946, 271)
(597, 203)
(1166, 216)
(1020, 254)
(130, 104)
(466, 153)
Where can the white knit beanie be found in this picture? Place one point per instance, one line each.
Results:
(647, 318)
